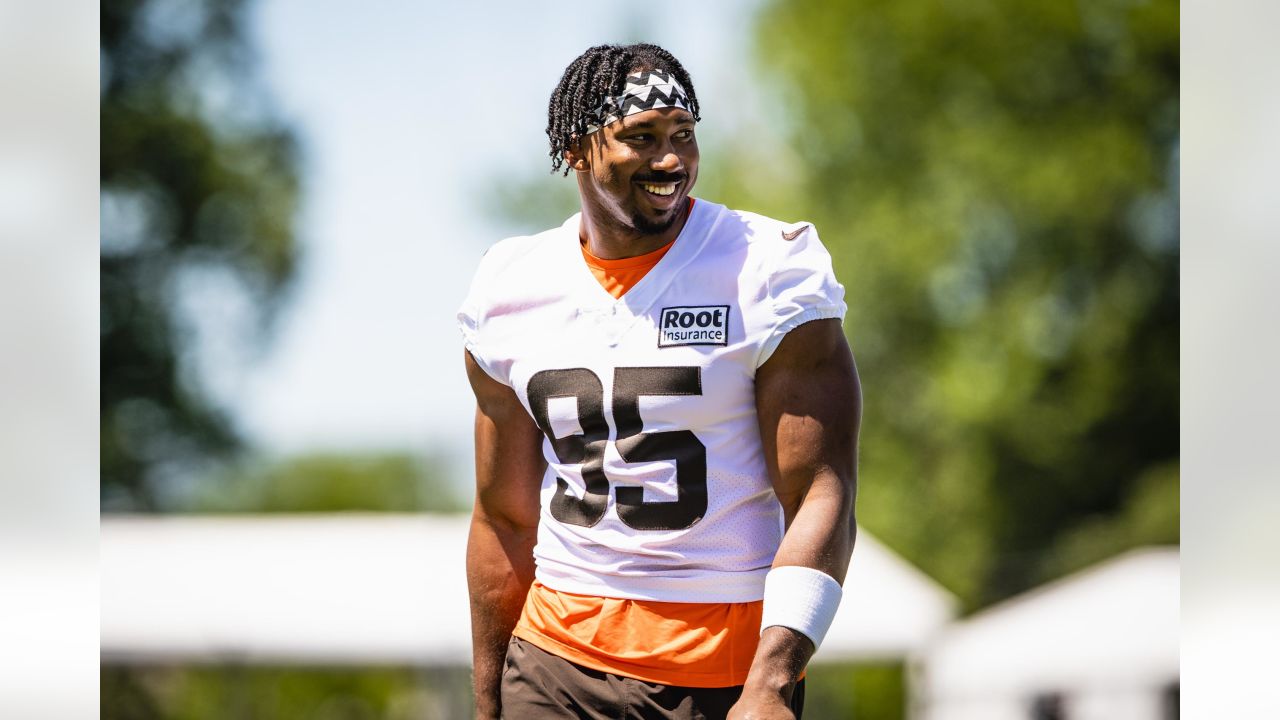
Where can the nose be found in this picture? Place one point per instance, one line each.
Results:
(666, 159)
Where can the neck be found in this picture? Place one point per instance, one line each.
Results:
(607, 239)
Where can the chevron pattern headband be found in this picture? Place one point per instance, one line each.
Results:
(647, 90)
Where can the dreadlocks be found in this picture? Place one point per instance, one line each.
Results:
(596, 74)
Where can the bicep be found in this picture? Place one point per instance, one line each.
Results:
(809, 405)
(508, 452)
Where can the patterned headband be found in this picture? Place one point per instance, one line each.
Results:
(647, 90)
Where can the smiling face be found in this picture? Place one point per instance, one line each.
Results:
(635, 174)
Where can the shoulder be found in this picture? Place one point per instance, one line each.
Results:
(767, 244)
(786, 275)
(513, 269)
(760, 234)
(763, 228)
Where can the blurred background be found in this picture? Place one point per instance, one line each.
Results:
(294, 196)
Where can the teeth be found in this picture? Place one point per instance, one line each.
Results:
(666, 189)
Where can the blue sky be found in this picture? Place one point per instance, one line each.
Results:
(407, 113)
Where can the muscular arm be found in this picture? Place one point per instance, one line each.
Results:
(809, 404)
(504, 525)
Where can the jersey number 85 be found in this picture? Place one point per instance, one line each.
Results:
(633, 444)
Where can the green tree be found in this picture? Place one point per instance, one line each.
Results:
(332, 482)
(325, 693)
(199, 185)
(997, 182)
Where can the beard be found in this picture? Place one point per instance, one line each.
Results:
(656, 227)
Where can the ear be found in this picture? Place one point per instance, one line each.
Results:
(575, 156)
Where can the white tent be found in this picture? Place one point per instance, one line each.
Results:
(889, 610)
(1100, 644)
(380, 589)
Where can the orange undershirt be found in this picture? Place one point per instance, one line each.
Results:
(687, 644)
(619, 276)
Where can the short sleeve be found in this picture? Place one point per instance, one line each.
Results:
(471, 323)
(801, 287)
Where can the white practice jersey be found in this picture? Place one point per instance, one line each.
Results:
(656, 486)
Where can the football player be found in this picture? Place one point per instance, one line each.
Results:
(666, 430)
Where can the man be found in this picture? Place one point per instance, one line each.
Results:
(666, 430)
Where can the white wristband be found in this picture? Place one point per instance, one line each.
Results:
(802, 599)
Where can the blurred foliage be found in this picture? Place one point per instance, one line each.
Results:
(214, 693)
(331, 482)
(199, 187)
(855, 692)
(997, 181)
(532, 204)
(1149, 515)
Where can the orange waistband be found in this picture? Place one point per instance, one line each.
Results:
(685, 644)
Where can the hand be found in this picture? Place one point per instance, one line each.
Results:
(761, 706)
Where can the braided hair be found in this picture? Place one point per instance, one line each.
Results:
(599, 73)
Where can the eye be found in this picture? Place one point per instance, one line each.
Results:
(685, 134)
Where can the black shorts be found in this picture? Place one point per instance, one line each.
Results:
(537, 684)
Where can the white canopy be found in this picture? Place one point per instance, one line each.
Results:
(889, 610)
(380, 589)
(1105, 640)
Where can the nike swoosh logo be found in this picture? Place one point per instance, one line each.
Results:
(789, 236)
